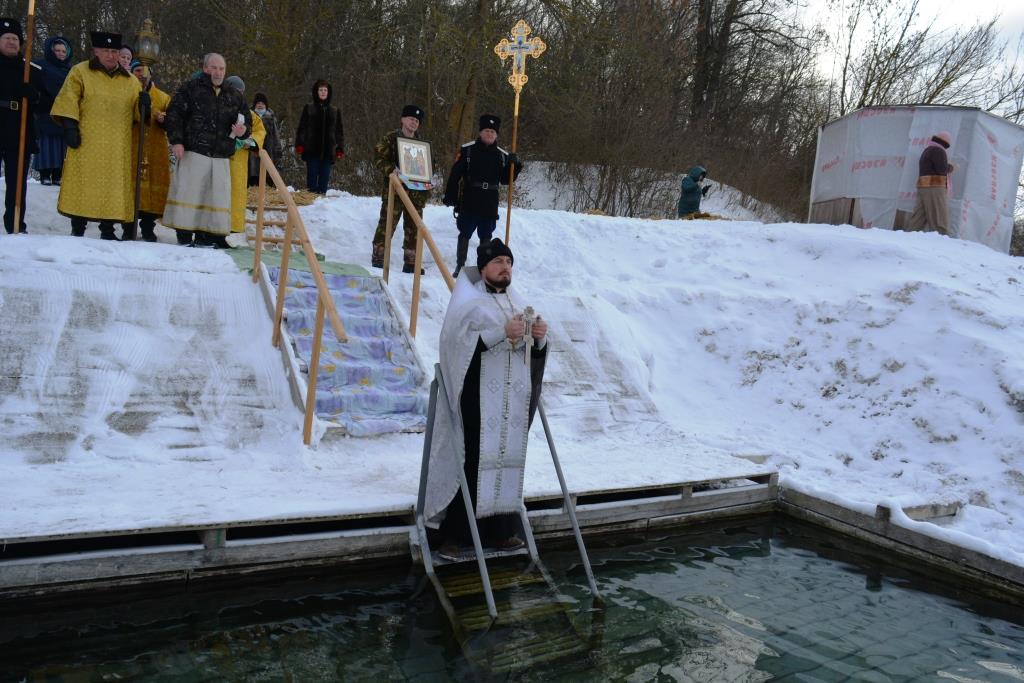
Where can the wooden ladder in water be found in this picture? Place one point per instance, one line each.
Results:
(524, 631)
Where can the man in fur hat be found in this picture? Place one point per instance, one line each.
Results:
(480, 168)
(492, 367)
(203, 121)
(931, 209)
(15, 94)
(96, 106)
(385, 158)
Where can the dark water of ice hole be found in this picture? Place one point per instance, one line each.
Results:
(751, 600)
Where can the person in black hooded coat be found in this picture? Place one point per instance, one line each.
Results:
(54, 69)
(320, 138)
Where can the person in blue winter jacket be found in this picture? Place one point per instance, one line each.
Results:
(691, 191)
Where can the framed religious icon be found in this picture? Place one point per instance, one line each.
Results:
(414, 160)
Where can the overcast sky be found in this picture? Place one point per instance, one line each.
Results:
(947, 14)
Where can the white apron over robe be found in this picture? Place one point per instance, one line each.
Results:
(200, 195)
(505, 389)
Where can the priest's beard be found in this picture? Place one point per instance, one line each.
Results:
(500, 283)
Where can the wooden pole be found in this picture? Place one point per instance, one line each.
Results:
(294, 219)
(144, 113)
(422, 229)
(314, 368)
(417, 267)
(261, 198)
(26, 79)
(282, 280)
(512, 169)
(389, 225)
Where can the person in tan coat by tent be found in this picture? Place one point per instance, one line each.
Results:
(931, 211)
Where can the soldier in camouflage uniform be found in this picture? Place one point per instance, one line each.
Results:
(386, 160)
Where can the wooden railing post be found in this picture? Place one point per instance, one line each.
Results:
(282, 281)
(421, 228)
(314, 369)
(260, 201)
(389, 226)
(417, 268)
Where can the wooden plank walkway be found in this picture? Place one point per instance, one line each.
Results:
(33, 565)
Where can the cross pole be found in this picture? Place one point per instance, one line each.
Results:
(519, 48)
(19, 198)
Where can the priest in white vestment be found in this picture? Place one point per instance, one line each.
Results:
(492, 373)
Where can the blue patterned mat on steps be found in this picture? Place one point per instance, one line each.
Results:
(372, 384)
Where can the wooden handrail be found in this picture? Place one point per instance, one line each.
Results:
(423, 235)
(325, 302)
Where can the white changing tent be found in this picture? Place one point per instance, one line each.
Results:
(865, 172)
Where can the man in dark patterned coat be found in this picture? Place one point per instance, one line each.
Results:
(203, 122)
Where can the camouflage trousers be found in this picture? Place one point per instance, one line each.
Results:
(419, 200)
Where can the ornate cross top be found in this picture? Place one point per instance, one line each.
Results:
(519, 48)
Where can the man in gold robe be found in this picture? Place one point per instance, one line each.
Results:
(156, 160)
(96, 107)
(240, 161)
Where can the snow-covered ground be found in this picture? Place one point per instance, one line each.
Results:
(867, 366)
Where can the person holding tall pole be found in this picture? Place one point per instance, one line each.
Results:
(19, 90)
(518, 49)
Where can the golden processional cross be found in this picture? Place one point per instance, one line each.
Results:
(519, 48)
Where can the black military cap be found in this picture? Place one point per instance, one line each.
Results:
(490, 121)
(412, 110)
(107, 40)
(8, 25)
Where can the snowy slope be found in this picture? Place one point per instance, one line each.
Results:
(867, 366)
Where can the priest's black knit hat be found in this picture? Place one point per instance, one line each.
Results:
(412, 110)
(259, 97)
(485, 253)
(111, 41)
(8, 25)
(490, 121)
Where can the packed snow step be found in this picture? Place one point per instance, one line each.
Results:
(371, 384)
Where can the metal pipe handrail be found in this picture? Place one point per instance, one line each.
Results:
(325, 302)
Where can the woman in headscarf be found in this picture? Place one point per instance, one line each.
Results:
(54, 68)
(272, 143)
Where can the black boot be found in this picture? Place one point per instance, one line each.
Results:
(107, 231)
(184, 237)
(78, 227)
(461, 250)
(377, 256)
(147, 222)
(409, 256)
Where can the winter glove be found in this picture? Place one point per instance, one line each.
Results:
(339, 153)
(73, 137)
(26, 91)
(513, 160)
(704, 190)
(299, 149)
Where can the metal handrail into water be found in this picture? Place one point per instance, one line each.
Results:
(437, 387)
